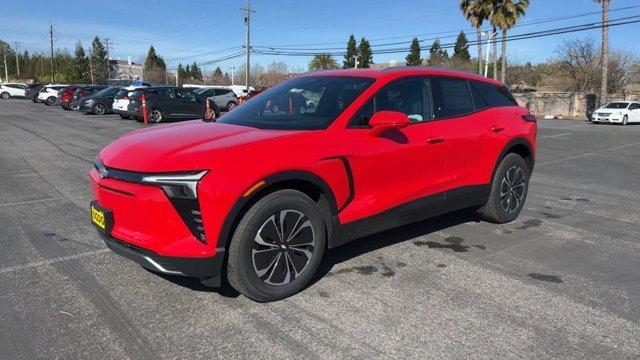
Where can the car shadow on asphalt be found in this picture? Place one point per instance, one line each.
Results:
(350, 250)
(391, 237)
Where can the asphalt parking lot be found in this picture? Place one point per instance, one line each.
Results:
(563, 281)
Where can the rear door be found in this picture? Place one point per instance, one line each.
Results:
(191, 106)
(465, 124)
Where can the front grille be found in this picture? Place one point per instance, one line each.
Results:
(603, 114)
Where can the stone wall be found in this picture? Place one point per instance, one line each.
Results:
(562, 104)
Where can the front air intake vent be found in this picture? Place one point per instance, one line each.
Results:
(189, 211)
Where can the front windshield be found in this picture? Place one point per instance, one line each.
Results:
(304, 103)
(616, 105)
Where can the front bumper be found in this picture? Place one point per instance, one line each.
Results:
(84, 106)
(209, 268)
(607, 119)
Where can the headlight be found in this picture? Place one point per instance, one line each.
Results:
(177, 186)
(88, 101)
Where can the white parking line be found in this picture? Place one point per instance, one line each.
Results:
(586, 154)
(557, 136)
(52, 261)
(30, 202)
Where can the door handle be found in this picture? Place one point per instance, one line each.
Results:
(435, 140)
(496, 129)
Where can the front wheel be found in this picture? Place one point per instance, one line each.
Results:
(51, 101)
(231, 105)
(5, 95)
(277, 246)
(508, 190)
(625, 120)
(99, 109)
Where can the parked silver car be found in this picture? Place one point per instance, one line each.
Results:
(223, 96)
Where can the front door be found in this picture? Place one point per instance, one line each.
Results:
(398, 169)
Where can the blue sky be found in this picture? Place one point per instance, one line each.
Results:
(184, 28)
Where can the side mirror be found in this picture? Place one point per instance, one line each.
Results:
(383, 121)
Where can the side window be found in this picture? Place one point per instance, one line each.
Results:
(495, 95)
(479, 103)
(451, 97)
(408, 96)
(186, 95)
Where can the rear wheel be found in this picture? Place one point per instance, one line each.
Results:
(277, 246)
(5, 95)
(231, 105)
(51, 101)
(625, 120)
(155, 115)
(99, 109)
(508, 190)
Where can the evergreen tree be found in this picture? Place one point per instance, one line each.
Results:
(81, 70)
(461, 49)
(196, 73)
(414, 59)
(99, 61)
(352, 53)
(181, 73)
(437, 55)
(365, 55)
(155, 68)
(187, 72)
(218, 72)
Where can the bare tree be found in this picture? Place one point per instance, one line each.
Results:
(579, 61)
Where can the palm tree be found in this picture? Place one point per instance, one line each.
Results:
(605, 48)
(505, 16)
(323, 61)
(474, 12)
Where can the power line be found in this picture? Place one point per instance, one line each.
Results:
(524, 36)
(214, 52)
(453, 32)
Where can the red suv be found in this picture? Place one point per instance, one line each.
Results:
(260, 194)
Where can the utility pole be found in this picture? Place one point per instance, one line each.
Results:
(107, 44)
(247, 22)
(53, 67)
(16, 44)
(6, 71)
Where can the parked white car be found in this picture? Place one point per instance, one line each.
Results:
(121, 100)
(9, 90)
(49, 93)
(617, 112)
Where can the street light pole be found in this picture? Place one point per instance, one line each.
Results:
(488, 35)
(233, 68)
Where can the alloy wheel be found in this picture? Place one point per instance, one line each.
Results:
(4, 95)
(100, 109)
(283, 247)
(512, 189)
(155, 115)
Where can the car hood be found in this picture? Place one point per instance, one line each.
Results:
(180, 147)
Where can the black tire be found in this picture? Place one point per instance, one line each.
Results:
(274, 258)
(99, 109)
(5, 95)
(508, 190)
(625, 120)
(231, 105)
(51, 101)
(155, 116)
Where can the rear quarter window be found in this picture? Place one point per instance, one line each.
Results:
(495, 95)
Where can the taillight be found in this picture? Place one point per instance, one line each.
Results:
(530, 118)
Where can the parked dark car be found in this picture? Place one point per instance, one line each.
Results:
(31, 92)
(99, 103)
(170, 103)
(84, 91)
